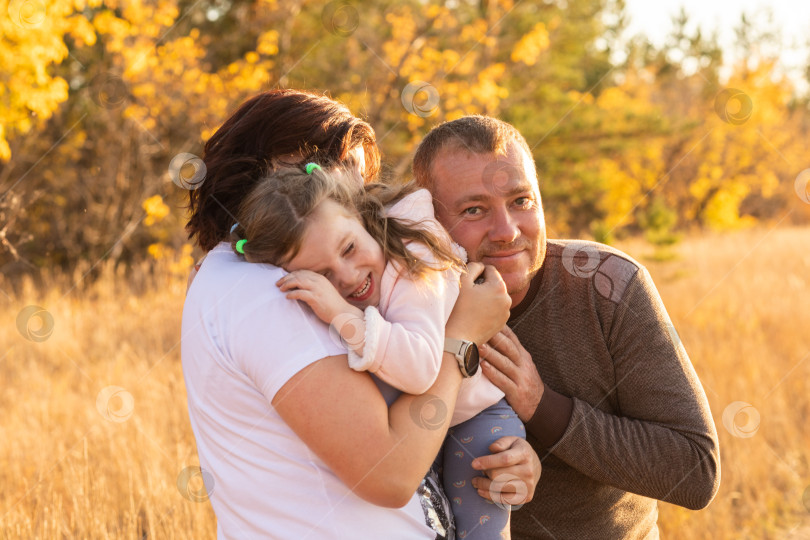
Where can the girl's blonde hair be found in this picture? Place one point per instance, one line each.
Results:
(274, 216)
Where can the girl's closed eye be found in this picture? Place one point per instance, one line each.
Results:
(349, 249)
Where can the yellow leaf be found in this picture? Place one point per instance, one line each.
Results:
(531, 45)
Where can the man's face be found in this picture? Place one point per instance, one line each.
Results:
(491, 206)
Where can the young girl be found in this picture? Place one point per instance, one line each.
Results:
(376, 265)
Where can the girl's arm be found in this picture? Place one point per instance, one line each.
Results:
(382, 453)
(403, 348)
(404, 345)
(328, 305)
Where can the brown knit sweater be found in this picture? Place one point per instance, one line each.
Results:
(624, 419)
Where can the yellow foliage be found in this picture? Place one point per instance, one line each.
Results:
(487, 92)
(268, 43)
(622, 194)
(432, 11)
(442, 18)
(586, 97)
(722, 210)
(31, 41)
(156, 210)
(531, 45)
(169, 76)
(157, 251)
(475, 32)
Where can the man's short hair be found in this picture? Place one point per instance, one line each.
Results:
(475, 134)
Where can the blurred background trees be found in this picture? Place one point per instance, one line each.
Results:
(97, 98)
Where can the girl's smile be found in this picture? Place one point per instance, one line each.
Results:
(337, 245)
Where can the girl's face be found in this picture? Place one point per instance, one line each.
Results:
(336, 245)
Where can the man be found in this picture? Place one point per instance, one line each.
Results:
(592, 364)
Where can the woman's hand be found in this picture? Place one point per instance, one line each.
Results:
(316, 291)
(513, 470)
(482, 308)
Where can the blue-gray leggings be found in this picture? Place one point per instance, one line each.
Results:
(476, 518)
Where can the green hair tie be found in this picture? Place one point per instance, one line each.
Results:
(311, 167)
(240, 246)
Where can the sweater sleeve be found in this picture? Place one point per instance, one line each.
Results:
(663, 444)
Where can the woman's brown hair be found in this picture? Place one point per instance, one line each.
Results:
(274, 217)
(265, 130)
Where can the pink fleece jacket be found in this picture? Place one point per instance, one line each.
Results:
(404, 335)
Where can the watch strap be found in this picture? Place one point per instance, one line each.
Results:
(454, 346)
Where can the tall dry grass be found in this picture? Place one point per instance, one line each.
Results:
(741, 305)
(79, 461)
(76, 466)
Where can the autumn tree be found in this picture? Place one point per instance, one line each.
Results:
(105, 106)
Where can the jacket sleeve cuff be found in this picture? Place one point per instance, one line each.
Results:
(550, 420)
(369, 343)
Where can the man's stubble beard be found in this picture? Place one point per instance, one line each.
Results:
(538, 254)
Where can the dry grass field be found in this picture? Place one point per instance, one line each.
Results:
(95, 438)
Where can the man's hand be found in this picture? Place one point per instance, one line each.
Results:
(510, 367)
(513, 470)
(316, 291)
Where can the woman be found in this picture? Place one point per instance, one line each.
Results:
(296, 443)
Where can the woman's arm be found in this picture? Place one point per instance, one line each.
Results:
(381, 453)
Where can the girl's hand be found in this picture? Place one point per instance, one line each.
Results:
(316, 291)
(482, 308)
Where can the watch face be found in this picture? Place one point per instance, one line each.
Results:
(471, 360)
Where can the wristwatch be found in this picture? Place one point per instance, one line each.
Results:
(466, 352)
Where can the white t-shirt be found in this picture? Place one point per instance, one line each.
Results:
(242, 340)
